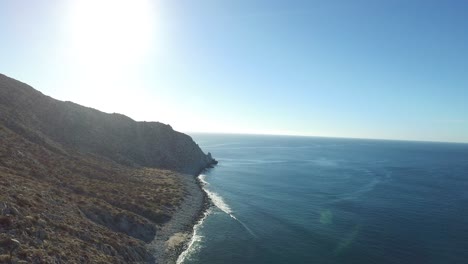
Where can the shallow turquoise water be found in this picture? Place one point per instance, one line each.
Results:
(318, 200)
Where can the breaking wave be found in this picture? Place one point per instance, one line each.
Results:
(219, 202)
(195, 242)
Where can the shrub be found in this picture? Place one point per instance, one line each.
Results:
(5, 221)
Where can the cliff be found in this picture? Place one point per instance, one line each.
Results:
(81, 186)
(87, 130)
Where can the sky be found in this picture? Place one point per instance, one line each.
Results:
(362, 69)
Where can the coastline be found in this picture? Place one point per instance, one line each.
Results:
(174, 237)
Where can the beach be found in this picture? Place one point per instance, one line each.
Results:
(173, 237)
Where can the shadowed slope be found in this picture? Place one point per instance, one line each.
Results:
(114, 136)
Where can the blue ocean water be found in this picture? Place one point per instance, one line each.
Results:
(323, 200)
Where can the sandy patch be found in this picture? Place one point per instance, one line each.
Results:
(177, 240)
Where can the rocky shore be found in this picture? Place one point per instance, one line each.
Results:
(173, 237)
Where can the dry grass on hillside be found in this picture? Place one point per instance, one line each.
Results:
(57, 205)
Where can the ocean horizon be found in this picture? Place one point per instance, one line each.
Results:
(289, 199)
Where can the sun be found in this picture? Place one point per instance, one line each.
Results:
(110, 34)
(107, 45)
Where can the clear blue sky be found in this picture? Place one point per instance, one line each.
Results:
(367, 69)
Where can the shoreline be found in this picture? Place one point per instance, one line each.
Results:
(174, 237)
(201, 214)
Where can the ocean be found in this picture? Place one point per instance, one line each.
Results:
(282, 199)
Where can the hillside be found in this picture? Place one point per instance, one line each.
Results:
(41, 118)
(78, 185)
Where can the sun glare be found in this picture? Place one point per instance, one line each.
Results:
(110, 34)
(109, 42)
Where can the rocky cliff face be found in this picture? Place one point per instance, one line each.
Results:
(87, 130)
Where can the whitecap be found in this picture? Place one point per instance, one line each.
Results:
(195, 242)
(202, 178)
(219, 202)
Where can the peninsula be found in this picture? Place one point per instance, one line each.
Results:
(81, 186)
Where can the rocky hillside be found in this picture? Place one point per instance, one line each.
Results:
(42, 118)
(81, 186)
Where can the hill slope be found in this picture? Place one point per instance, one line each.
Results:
(114, 136)
(78, 185)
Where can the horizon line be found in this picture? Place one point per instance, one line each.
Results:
(317, 136)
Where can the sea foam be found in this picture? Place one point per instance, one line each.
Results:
(195, 242)
(219, 202)
(196, 239)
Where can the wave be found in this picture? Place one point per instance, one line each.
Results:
(202, 178)
(245, 226)
(195, 242)
(219, 202)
